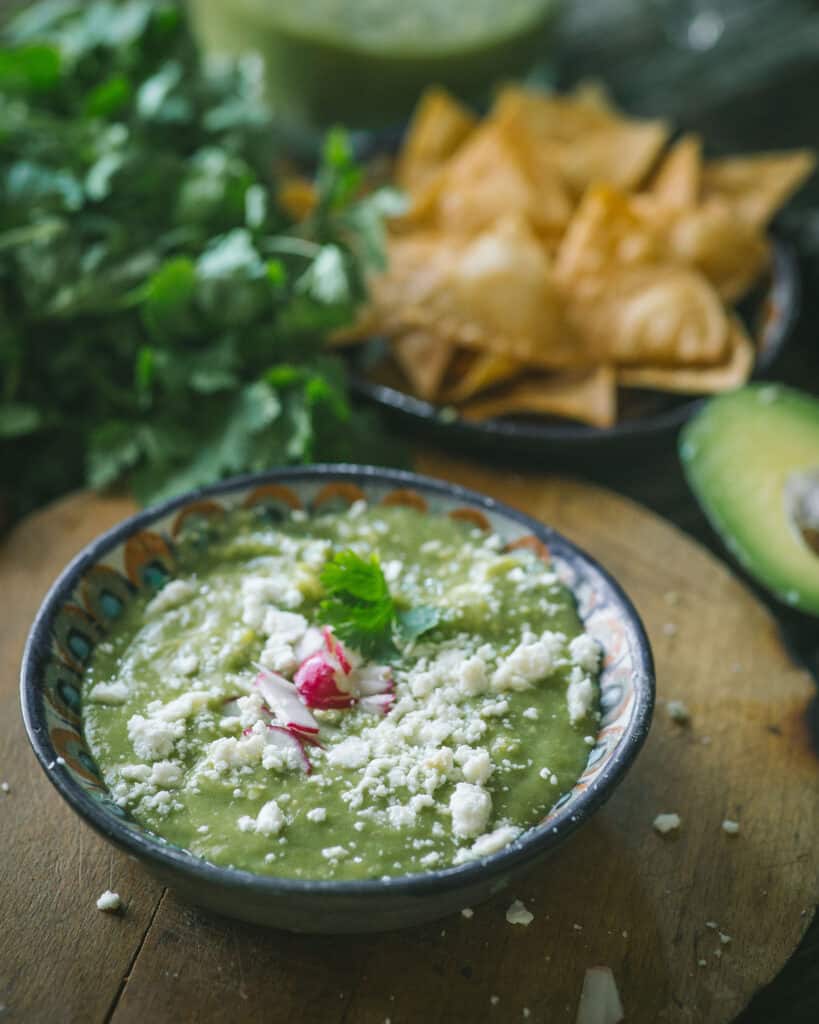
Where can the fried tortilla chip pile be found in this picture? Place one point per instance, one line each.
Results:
(557, 249)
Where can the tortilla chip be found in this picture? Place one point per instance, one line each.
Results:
(417, 266)
(662, 315)
(485, 370)
(588, 397)
(485, 180)
(757, 186)
(424, 359)
(582, 138)
(493, 292)
(728, 250)
(678, 180)
(438, 127)
(501, 294)
(608, 231)
(733, 373)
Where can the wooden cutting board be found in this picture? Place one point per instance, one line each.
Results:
(618, 895)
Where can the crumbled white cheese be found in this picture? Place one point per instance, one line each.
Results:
(470, 806)
(334, 852)
(350, 753)
(165, 774)
(270, 820)
(109, 693)
(478, 767)
(186, 663)
(730, 827)
(665, 823)
(678, 712)
(401, 816)
(518, 914)
(109, 901)
(472, 678)
(531, 713)
(467, 912)
(585, 652)
(153, 739)
(317, 814)
(260, 593)
(6, 788)
(491, 842)
(235, 752)
(173, 594)
(528, 663)
(579, 695)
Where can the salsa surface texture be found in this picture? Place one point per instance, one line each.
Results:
(443, 751)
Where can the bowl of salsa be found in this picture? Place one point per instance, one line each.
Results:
(365, 62)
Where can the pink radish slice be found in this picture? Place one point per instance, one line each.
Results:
(378, 703)
(346, 658)
(284, 739)
(372, 679)
(312, 641)
(599, 1000)
(283, 697)
(317, 680)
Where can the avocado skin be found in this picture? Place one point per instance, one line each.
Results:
(737, 453)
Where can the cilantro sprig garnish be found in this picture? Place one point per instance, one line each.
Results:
(359, 607)
(162, 317)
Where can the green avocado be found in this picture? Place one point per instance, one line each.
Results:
(752, 459)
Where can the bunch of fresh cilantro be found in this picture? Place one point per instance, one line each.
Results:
(161, 318)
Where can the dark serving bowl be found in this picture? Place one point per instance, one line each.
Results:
(138, 556)
(648, 419)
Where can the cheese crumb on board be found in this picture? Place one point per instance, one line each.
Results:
(518, 914)
(678, 712)
(731, 828)
(109, 901)
(665, 823)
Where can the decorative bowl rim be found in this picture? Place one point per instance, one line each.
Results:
(532, 844)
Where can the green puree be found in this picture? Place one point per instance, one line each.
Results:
(364, 62)
(494, 706)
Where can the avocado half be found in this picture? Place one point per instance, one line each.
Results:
(752, 459)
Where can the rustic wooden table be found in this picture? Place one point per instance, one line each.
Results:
(619, 894)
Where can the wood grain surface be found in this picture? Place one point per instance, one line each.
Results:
(618, 894)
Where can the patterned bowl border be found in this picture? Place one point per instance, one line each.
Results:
(138, 556)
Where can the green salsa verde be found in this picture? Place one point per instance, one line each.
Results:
(365, 62)
(476, 727)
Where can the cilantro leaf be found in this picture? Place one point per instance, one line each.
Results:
(360, 608)
(414, 622)
(139, 227)
(358, 603)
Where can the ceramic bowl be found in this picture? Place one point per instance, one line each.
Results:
(138, 556)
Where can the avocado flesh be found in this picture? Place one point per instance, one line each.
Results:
(742, 455)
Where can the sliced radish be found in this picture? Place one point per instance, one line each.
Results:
(599, 1000)
(285, 739)
(336, 649)
(372, 679)
(378, 703)
(312, 641)
(283, 697)
(318, 680)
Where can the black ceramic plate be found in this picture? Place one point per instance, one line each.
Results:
(647, 418)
